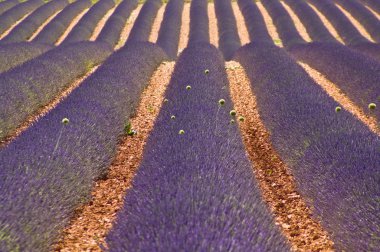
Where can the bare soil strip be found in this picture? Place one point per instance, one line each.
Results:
(14, 25)
(275, 180)
(373, 12)
(297, 23)
(356, 23)
(93, 221)
(185, 28)
(128, 27)
(337, 94)
(242, 28)
(213, 25)
(157, 24)
(43, 25)
(269, 24)
(73, 23)
(101, 24)
(45, 109)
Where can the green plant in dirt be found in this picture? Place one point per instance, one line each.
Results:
(241, 118)
(372, 106)
(338, 109)
(181, 132)
(222, 102)
(128, 130)
(233, 112)
(188, 87)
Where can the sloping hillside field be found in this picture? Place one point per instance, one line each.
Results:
(189, 125)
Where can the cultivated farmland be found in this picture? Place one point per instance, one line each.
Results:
(178, 125)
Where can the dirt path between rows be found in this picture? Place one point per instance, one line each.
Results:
(241, 27)
(269, 24)
(101, 24)
(297, 23)
(213, 25)
(185, 28)
(42, 26)
(157, 24)
(128, 27)
(14, 25)
(73, 23)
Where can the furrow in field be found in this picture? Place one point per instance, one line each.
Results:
(269, 24)
(71, 26)
(276, 181)
(92, 223)
(242, 28)
(185, 28)
(128, 27)
(297, 22)
(13, 26)
(101, 24)
(47, 21)
(338, 95)
(157, 24)
(373, 11)
(212, 24)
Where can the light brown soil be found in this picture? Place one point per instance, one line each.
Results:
(356, 23)
(43, 25)
(157, 24)
(270, 26)
(213, 25)
(327, 23)
(337, 94)
(275, 180)
(94, 220)
(242, 28)
(297, 23)
(185, 28)
(101, 24)
(44, 110)
(128, 27)
(73, 23)
(13, 26)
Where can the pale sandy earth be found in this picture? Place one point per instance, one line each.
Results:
(14, 25)
(43, 25)
(242, 28)
(128, 27)
(157, 24)
(213, 25)
(185, 28)
(270, 26)
(101, 24)
(373, 12)
(71, 26)
(297, 23)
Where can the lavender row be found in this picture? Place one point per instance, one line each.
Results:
(229, 40)
(26, 28)
(143, 25)
(24, 89)
(15, 54)
(168, 36)
(374, 4)
(283, 22)
(370, 22)
(54, 30)
(313, 24)
(254, 21)
(6, 5)
(11, 16)
(50, 169)
(111, 31)
(86, 26)
(199, 30)
(195, 189)
(333, 156)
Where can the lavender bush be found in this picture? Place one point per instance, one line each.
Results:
(199, 31)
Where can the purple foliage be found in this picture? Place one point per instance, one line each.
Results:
(333, 156)
(168, 36)
(196, 191)
(41, 188)
(6, 5)
(313, 24)
(371, 50)
(370, 22)
(144, 22)
(199, 30)
(26, 88)
(229, 40)
(52, 32)
(341, 23)
(111, 31)
(86, 26)
(283, 22)
(254, 21)
(374, 4)
(26, 28)
(355, 74)
(15, 54)
(11, 16)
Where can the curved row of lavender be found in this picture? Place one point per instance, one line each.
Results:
(199, 30)
(369, 21)
(374, 4)
(254, 21)
(86, 26)
(49, 170)
(112, 29)
(168, 36)
(24, 89)
(326, 57)
(15, 54)
(195, 191)
(56, 27)
(143, 25)
(11, 16)
(229, 40)
(333, 156)
(6, 5)
(27, 27)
